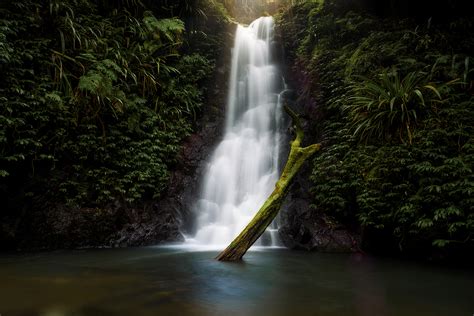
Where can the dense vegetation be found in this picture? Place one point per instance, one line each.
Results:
(96, 98)
(393, 92)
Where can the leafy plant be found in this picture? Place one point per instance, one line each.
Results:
(390, 106)
(391, 101)
(96, 99)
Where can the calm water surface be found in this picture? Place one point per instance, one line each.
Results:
(176, 281)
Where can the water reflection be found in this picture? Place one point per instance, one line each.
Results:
(174, 281)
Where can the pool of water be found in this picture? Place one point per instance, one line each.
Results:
(177, 281)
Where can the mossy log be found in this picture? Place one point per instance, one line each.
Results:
(257, 226)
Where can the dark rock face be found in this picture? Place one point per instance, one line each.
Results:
(51, 226)
(167, 218)
(164, 227)
(302, 227)
(119, 225)
(184, 187)
(113, 226)
(317, 232)
(185, 183)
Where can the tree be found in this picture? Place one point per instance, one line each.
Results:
(298, 155)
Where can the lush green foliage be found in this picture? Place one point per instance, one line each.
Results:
(389, 106)
(97, 96)
(397, 109)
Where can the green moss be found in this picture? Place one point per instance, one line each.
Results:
(269, 210)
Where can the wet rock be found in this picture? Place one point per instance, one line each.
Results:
(112, 226)
(144, 234)
(317, 232)
(184, 186)
(303, 227)
(185, 181)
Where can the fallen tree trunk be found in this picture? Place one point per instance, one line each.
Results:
(257, 226)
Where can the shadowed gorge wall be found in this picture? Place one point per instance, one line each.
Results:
(390, 97)
(97, 99)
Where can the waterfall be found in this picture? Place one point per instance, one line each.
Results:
(243, 169)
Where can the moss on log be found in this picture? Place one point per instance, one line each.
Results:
(257, 226)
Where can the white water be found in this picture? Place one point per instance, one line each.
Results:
(243, 169)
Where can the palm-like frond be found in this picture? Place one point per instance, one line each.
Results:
(390, 106)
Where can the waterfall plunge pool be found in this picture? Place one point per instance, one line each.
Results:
(176, 281)
(186, 280)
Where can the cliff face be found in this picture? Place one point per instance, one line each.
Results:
(118, 224)
(184, 186)
(42, 220)
(301, 225)
(404, 185)
(381, 170)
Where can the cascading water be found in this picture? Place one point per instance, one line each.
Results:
(243, 169)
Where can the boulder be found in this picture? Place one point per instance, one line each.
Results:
(303, 227)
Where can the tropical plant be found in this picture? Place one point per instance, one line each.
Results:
(391, 101)
(390, 106)
(96, 98)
